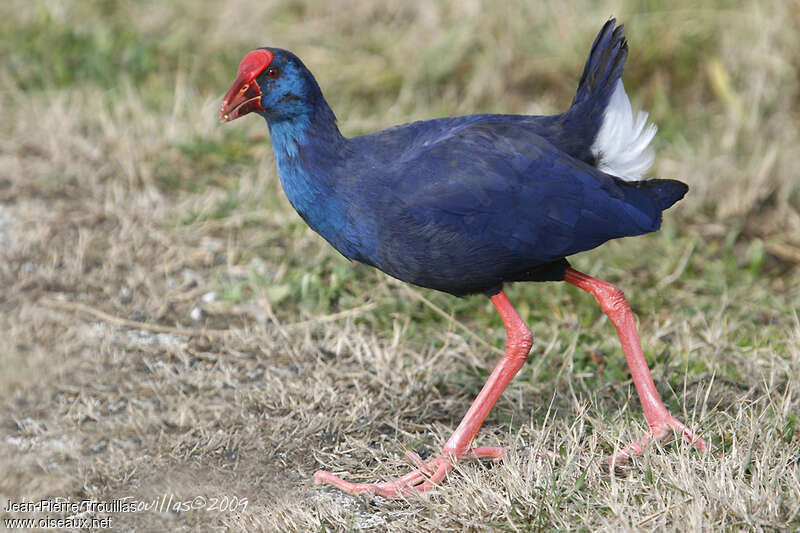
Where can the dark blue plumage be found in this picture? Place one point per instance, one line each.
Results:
(460, 204)
(465, 204)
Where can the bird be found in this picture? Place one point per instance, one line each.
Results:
(466, 205)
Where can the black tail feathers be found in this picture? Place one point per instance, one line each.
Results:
(604, 67)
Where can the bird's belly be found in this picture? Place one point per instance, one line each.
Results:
(460, 269)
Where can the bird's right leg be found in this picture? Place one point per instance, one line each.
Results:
(661, 422)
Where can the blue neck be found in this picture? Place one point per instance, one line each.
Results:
(289, 134)
(308, 147)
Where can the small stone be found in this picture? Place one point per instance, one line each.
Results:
(196, 314)
(118, 405)
(98, 446)
(125, 296)
(209, 297)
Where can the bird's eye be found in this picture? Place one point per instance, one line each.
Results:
(272, 72)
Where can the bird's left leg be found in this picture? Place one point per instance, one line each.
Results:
(458, 446)
(658, 418)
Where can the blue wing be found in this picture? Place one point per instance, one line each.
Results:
(464, 208)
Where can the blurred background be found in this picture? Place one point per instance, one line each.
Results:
(129, 218)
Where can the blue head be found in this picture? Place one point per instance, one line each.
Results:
(275, 84)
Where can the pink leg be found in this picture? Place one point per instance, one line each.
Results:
(658, 418)
(518, 344)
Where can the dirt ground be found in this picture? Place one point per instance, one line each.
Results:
(173, 336)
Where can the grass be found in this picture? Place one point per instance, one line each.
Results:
(170, 326)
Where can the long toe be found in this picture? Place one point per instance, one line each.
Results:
(418, 480)
(424, 477)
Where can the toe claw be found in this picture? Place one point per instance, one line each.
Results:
(495, 453)
(413, 459)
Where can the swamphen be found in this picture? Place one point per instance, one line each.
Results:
(466, 204)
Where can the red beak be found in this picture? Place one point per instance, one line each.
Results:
(244, 96)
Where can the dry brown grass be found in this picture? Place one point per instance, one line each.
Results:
(121, 207)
